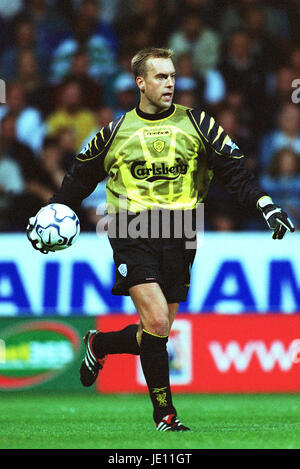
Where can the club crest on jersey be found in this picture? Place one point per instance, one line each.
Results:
(123, 269)
(159, 145)
(140, 170)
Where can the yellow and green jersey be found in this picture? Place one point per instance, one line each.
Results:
(164, 160)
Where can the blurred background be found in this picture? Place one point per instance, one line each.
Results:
(66, 66)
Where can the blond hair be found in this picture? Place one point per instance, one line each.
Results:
(138, 62)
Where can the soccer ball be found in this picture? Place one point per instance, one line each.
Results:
(56, 226)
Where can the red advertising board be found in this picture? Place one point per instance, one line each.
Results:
(216, 353)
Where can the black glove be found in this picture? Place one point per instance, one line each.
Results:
(34, 239)
(277, 220)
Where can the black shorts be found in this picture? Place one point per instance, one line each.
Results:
(166, 261)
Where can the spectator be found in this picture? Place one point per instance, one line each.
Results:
(276, 19)
(292, 8)
(11, 181)
(207, 9)
(185, 68)
(28, 73)
(222, 210)
(50, 26)
(295, 60)
(141, 39)
(91, 13)
(23, 39)
(27, 200)
(93, 35)
(221, 221)
(124, 59)
(125, 93)
(149, 23)
(237, 102)
(92, 91)
(209, 88)
(239, 134)
(286, 135)
(127, 51)
(16, 150)
(187, 96)
(278, 95)
(11, 184)
(243, 75)
(71, 114)
(214, 89)
(188, 82)
(262, 43)
(66, 141)
(40, 185)
(115, 9)
(9, 9)
(35, 87)
(104, 116)
(196, 39)
(282, 181)
(29, 124)
(4, 36)
(52, 161)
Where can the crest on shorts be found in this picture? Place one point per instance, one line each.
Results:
(159, 145)
(123, 269)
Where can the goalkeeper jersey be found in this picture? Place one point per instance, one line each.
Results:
(164, 160)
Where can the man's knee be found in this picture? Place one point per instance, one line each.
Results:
(152, 308)
(157, 324)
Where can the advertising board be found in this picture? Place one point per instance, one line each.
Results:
(217, 353)
(233, 273)
(41, 353)
(207, 353)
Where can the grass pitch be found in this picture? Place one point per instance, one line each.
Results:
(93, 421)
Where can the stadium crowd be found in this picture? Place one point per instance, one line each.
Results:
(66, 66)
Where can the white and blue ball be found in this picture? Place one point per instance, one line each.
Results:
(56, 226)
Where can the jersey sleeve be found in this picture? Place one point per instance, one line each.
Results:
(226, 160)
(87, 169)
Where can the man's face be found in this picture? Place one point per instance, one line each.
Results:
(157, 87)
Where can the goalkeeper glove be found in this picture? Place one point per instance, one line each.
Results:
(34, 239)
(277, 220)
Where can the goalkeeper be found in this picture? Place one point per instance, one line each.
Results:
(159, 155)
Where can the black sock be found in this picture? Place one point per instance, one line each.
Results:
(123, 341)
(155, 364)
